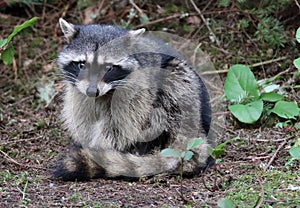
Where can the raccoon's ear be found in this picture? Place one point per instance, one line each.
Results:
(134, 33)
(67, 28)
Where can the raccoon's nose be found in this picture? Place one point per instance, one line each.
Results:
(92, 91)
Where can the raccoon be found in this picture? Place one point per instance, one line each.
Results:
(128, 96)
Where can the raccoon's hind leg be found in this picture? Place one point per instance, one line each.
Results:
(77, 165)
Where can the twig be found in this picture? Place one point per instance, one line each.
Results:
(159, 20)
(193, 58)
(15, 68)
(19, 164)
(215, 72)
(19, 140)
(252, 65)
(268, 61)
(183, 198)
(262, 194)
(205, 22)
(274, 155)
(136, 7)
(10, 159)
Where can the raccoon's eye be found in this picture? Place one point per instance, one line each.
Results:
(81, 65)
(108, 68)
(116, 67)
(115, 73)
(113, 67)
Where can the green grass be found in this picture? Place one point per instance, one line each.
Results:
(274, 188)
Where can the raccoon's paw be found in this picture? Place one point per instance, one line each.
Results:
(77, 166)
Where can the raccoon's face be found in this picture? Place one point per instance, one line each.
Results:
(95, 60)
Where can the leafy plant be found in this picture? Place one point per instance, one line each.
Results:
(219, 149)
(6, 46)
(269, 29)
(184, 156)
(242, 90)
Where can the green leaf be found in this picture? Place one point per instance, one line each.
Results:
(225, 203)
(286, 109)
(21, 27)
(218, 161)
(271, 96)
(8, 54)
(168, 152)
(3, 42)
(298, 35)
(248, 113)
(295, 152)
(297, 63)
(297, 143)
(144, 19)
(188, 155)
(215, 153)
(219, 149)
(240, 83)
(194, 143)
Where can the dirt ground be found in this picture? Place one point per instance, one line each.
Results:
(31, 135)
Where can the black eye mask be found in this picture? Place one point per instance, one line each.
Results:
(71, 71)
(114, 73)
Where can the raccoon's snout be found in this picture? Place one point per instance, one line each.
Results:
(92, 91)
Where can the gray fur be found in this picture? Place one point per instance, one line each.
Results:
(109, 120)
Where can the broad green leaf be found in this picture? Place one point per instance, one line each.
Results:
(297, 63)
(248, 113)
(271, 96)
(21, 27)
(188, 155)
(286, 109)
(298, 35)
(8, 54)
(225, 203)
(194, 143)
(168, 152)
(295, 152)
(240, 83)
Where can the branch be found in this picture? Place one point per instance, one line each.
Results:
(206, 24)
(275, 154)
